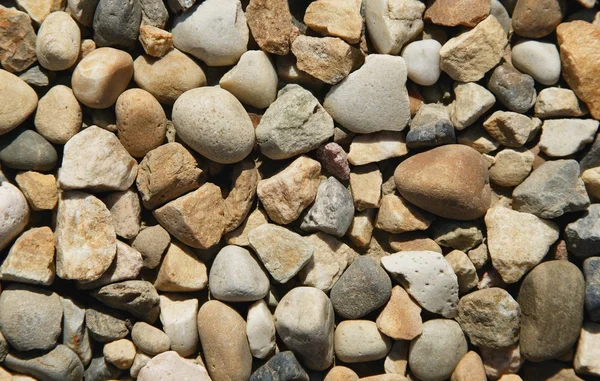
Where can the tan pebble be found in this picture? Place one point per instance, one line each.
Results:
(341, 373)
(413, 241)
(365, 184)
(470, 368)
(120, 353)
(270, 22)
(239, 236)
(58, 117)
(396, 215)
(31, 258)
(336, 18)
(181, 271)
(241, 195)
(360, 231)
(453, 13)
(58, 42)
(40, 190)
(38, 10)
(19, 101)
(401, 317)
(155, 41)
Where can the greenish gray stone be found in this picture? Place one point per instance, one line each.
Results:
(27, 150)
(105, 326)
(60, 364)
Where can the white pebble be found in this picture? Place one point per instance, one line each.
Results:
(538, 59)
(423, 61)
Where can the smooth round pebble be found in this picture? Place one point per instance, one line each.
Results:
(423, 61)
(120, 353)
(360, 341)
(58, 117)
(15, 210)
(540, 60)
(19, 101)
(150, 339)
(27, 150)
(214, 123)
(58, 42)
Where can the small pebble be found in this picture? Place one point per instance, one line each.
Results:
(260, 329)
(120, 353)
(360, 341)
(282, 366)
(31, 258)
(538, 59)
(58, 117)
(514, 89)
(423, 61)
(471, 102)
(401, 317)
(19, 101)
(181, 271)
(564, 137)
(117, 23)
(389, 33)
(150, 339)
(335, 18)
(431, 127)
(334, 160)
(376, 147)
(155, 41)
(170, 364)
(553, 102)
(332, 210)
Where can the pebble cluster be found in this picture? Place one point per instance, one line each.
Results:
(274, 190)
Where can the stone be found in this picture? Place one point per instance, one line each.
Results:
(591, 178)
(286, 194)
(334, 160)
(74, 332)
(117, 23)
(413, 241)
(294, 124)
(514, 89)
(341, 373)
(282, 251)
(470, 368)
(511, 166)
(517, 241)
(535, 19)
(393, 23)
(120, 353)
(37, 76)
(31, 258)
(101, 76)
(591, 270)
(304, 320)
(464, 269)
(155, 41)
(99, 369)
(415, 270)
(396, 361)
(214, 123)
(139, 361)
(373, 98)
(332, 211)
(551, 286)
(151, 243)
(452, 13)
(509, 128)
(58, 117)
(126, 265)
(60, 363)
(288, 71)
(471, 102)
(554, 102)
(260, 329)
(85, 237)
(213, 31)
(360, 341)
(137, 297)
(376, 147)
(178, 315)
(498, 362)
(336, 18)
(539, 59)
(149, 339)
(58, 42)
(19, 101)
(434, 354)
(182, 217)
(239, 236)
(479, 139)
(270, 22)
(564, 137)
(430, 127)
(169, 76)
(40, 308)
(470, 55)
(423, 61)
(578, 47)
(27, 150)
(106, 325)
(181, 271)
(179, 6)
(253, 80)
(396, 215)
(365, 185)
(125, 210)
(581, 236)
(459, 235)
(551, 190)
(225, 345)
(360, 231)
(282, 366)
(82, 11)
(450, 181)
(17, 40)
(170, 364)
(586, 357)
(552, 370)
(39, 10)
(328, 59)
(15, 212)
(401, 317)
(241, 196)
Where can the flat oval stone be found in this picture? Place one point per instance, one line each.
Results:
(19, 101)
(15, 210)
(450, 181)
(58, 42)
(551, 299)
(27, 150)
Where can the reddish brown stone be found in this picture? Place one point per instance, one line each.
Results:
(455, 12)
(537, 18)
(270, 22)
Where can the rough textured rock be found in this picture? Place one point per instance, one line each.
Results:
(430, 127)
(270, 22)
(375, 147)
(564, 137)
(334, 160)
(553, 102)
(178, 314)
(120, 353)
(154, 13)
(239, 236)
(336, 18)
(282, 366)
(99, 369)
(37, 76)
(16, 212)
(509, 128)
(181, 271)
(459, 235)
(498, 362)
(452, 13)
(260, 329)
(471, 102)
(479, 139)
(61, 363)
(31, 258)
(365, 185)
(58, 117)
(332, 211)
(535, 19)
(74, 332)
(117, 23)
(155, 41)
(17, 40)
(396, 215)
(171, 365)
(413, 242)
(138, 297)
(393, 23)
(464, 269)
(514, 89)
(401, 317)
(586, 357)
(360, 341)
(581, 235)
(241, 195)
(27, 150)
(105, 326)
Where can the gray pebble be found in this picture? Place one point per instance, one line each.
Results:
(332, 211)
(152, 243)
(459, 235)
(138, 297)
(583, 235)
(513, 88)
(61, 363)
(106, 326)
(100, 370)
(431, 127)
(282, 367)
(154, 13)
(27, 150)
(149, 339)
(591, 271)
(117, 23)
(37, 76)
(75, 334)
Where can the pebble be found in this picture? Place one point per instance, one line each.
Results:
(38, 10)
(37, 76)
(101, 76)
(58, 42)
(360, 341)
(538, 59)
(581, 234)
(304, 319)
(511, 166)
(514, 89)
(401, 317)
(459, 235)
(509, 128)
(431, 127)
(336, 18)
(360, 231)
(120, 353)
(139, 361)
(105, 325)
(253, 80)
(470, 368)
(178, 314)
(564, 137)
(260, 329)
(15, 212)
(85, 237)
(241, 195)
(373, 98)
(178, 6)
(479, 139)
(17, 40)
(74, 332)
(60, 363)
(99, 369)
(450, 181)
(126, 265)
(239, 236)
(451, 13)
(341, 373)
(546, 197)
(117, 23)
(282, 252)
(365, 185)
(151, 243)
(31, 258)
(286, 194)
(393, 23)
(470, 55)
(192, 227)
(58, 117)
(578, 42)
(591, 178)
(415, 271)
(27, 150)
(334, 160)
(294, 124)
(332, 211)
(498, 362)
(554, 102)
(586, 358)
(125, 210)
(137, 297)
(235, 276)
(82, 11)
(517, 242)
(423, 61)
(214, 31)
(155, 41)
(376, 147)
(271, 25)
(181, 271)
(19, 101)
(434, 354)
(282, 366)
(471, 102)
(171, 365)
(224, 342)
(535, 19)
(214, 123)
(396, 215)
(591, 270)
(413, 241)
(551, 286)
(464, 269)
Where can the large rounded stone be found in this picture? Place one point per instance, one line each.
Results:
(551, 299)
(58, 42)
(19, 100)
(360, 341)
(27, 150)
(15, 212)
(537, 18)
(214, 123)
(450, 181)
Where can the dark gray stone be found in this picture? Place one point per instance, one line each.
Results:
(513, 88)
(459, 235)
(591, 271)
(100, 370)
(431, 127)
(106, 326)
(553, 189)
(27, 150)
(60, 364)
(334, 160)
(38, 76)
(583, 235)
(282, 367)
(332, 211)
(137, 297)
(154, 13)
(117, 23)
(362, 288)
(592, 157)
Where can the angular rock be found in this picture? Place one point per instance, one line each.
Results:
(393, 23)
(564, 137)
(360, 341)
(38, 77)
(459, 235)
(470, 368)
(120, 353)
(464, 269)
(365, 185)
(99, 369)
(152, 243)
(137, 297)
(106, 325)
(239, 236)
(270, 22)
(241, 196)
(332, 211)
(171, 365)
(509, 128)
(396, 215)
(538, 59)
(61, 363)
(431, 127)
(581, 235)
(154, 13)
(511, 166)
(27, 150)
(181, 271)
(117, 23)
(16, 212)
(31, 258)
(334, 160)
(553, 102)
(591, 270)
(126, 265)
(336, 18)
(471, 102)
(514, 89)
(282, 366)
(498, 362)
(379, 146)
(82, 11)
(341, 373)
(19, 101)
(360, 231)
(478, 138)
(586, 357)
(535, 19)
(74, 332)
(17, 40)
(155, 41)
(38, 10)
(413, 242)
(260, 329)
(58, 116)
(125, 211)
(401, 317)
(178, 314)
(452, 13)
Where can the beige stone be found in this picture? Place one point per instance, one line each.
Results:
(554, 102)
(464, 269)
(393, 23)
(587, 357)
(400, 319)
(87, 46)
(470, 368)
(196, 219)
(260, 329)
(58, 42)
(511, 166)
(286, 194)
(509, 128)
(58, 117)
(365, 184)
(413, 241)
(38, 10)
(564, 137)
(360, 341)
(341, 373)
(19, 101)
(336, 18)
(39, 189)
(361, 228)
(537, 18)
(471, 102)
(31, 258)
(126, 266)
(386, 377)
(155, 41)
(479, 256)
(120, 353)
(454, 13)
(125, 211)
(17, 40)
(178, 314)
(498, 362)
(591, 178)
(239, 236)
(289, 72)
(181, 271)
(270, 22)
(379, 146)
(478, 138)
(171, 365)
(240, 199)
(396, 361)
(396, 215)
(470, 55)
